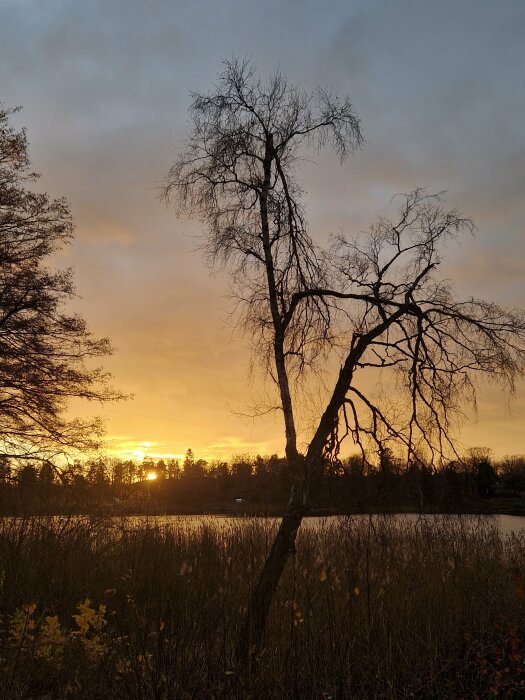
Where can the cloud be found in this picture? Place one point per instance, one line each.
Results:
(105, 88)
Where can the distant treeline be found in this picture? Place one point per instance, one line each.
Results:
(258, 484)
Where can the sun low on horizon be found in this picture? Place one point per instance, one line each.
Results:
(105, 124)
(262, 349)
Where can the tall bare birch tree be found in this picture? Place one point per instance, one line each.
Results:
(373, 300)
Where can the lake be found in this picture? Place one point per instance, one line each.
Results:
(507, 524)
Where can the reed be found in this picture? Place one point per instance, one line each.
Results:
(369, 607)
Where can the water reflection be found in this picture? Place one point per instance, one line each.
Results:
(507, 524)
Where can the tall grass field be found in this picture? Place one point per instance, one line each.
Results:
(371, 607)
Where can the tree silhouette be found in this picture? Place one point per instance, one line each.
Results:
(373, 301)
(43, 348)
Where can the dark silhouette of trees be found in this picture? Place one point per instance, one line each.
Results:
(483, 473)
(161, 469)
(189, 461)
(373, 302)
(44, 349)
(259, 486)
(512, 473)
(5, 469)
(46, 474)
(173, 470)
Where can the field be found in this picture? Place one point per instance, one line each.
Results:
(374, 608)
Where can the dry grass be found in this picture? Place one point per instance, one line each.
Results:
(368, 608)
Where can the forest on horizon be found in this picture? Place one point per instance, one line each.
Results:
(261, 485)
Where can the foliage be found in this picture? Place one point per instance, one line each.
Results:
(43, 346)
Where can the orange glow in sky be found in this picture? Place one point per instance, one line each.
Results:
(105, 122)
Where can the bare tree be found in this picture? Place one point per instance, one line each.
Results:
(43, 348)
(374, 301)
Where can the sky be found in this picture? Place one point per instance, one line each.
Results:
(105, 88)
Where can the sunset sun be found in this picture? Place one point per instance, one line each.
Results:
(262, 349)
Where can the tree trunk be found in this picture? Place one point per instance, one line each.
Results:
(254, 623)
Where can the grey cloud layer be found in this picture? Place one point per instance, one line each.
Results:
(105, 86)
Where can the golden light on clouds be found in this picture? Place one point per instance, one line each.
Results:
(140, 278)
(124, 447)
(149, 450)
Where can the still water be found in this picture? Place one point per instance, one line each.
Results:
(507, 524)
